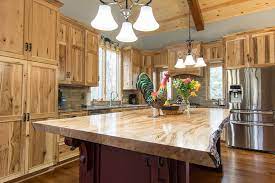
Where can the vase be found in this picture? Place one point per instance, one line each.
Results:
(185, 105)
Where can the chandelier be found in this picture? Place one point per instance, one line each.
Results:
(189, 60)
(105, 21)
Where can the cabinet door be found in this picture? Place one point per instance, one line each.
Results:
(237, 51)
(76, 64)
(12, 88)
(91, 59)
(262, 48)
(64, 54)
(11, 150)
(14, 28)
(12, 99)
(127, 69)
(77, 67)
(91, 70)
(42, 105)
(41, 148)
(42, 90)
(43, 31)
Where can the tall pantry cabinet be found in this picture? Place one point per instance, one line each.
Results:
(28, 84)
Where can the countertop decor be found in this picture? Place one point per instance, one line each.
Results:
(186, 88)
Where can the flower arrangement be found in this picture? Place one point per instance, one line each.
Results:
(186, 88)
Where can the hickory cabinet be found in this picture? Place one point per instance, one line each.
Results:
(131, 59)
(213, 51)
(78, 54)
(160, 60)
(91, 59)
(249, 49)
(22, 24)
(28, 92)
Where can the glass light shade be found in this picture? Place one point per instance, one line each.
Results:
(180, 64)
(127, 33)
(200, 62)
(104, 19)
(146, 20)
(189, 60)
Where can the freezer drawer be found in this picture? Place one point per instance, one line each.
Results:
(255, 136)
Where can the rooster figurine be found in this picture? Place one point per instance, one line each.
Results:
(154, 99)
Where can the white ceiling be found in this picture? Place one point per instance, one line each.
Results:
(85, 10)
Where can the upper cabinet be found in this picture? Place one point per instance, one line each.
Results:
(78, 54)
(131, 59)
(160, 60)
(237, 51)
(91, 56)
(213, 51)
(262, 48)
(23, 37)
(180, 51)
(13, 36)
(250, 49)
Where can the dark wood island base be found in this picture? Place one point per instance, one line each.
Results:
(105, 164)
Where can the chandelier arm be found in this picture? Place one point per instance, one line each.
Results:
(148, 3)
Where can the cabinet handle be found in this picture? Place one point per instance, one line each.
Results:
(24, 117)
(28, 116)
(26, 46)
(30, 47)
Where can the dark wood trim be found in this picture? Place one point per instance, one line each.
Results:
(195, 9)
(100, 164)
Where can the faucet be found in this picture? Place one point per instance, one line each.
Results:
(111, 97)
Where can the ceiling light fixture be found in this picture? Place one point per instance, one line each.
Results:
(189, 60)
(105, 21)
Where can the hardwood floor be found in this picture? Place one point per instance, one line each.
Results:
(239, 166)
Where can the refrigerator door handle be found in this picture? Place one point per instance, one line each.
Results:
(252, 123)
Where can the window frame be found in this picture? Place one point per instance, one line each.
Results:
(209, 66)
(104, 76)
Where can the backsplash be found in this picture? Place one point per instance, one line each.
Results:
(75, 96)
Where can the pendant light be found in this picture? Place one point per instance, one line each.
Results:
(146, 21)
(180, 64)
(200, 62)
(127, 33)
(104, 19)
(189, 60)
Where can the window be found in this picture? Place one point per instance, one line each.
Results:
(109, 74)
(216, 82)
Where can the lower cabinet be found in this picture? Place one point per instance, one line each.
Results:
(11, 150)
(41, 148)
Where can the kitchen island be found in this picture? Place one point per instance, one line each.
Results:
(132, 147)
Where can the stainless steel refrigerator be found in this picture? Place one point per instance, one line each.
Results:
(251, 97)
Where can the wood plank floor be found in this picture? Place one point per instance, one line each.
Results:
(239, 166)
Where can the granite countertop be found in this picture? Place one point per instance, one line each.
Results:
(103, 107)
(181, 137)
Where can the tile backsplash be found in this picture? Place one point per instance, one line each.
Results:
(75, 96)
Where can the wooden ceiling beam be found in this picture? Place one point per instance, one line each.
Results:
(195, 9)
